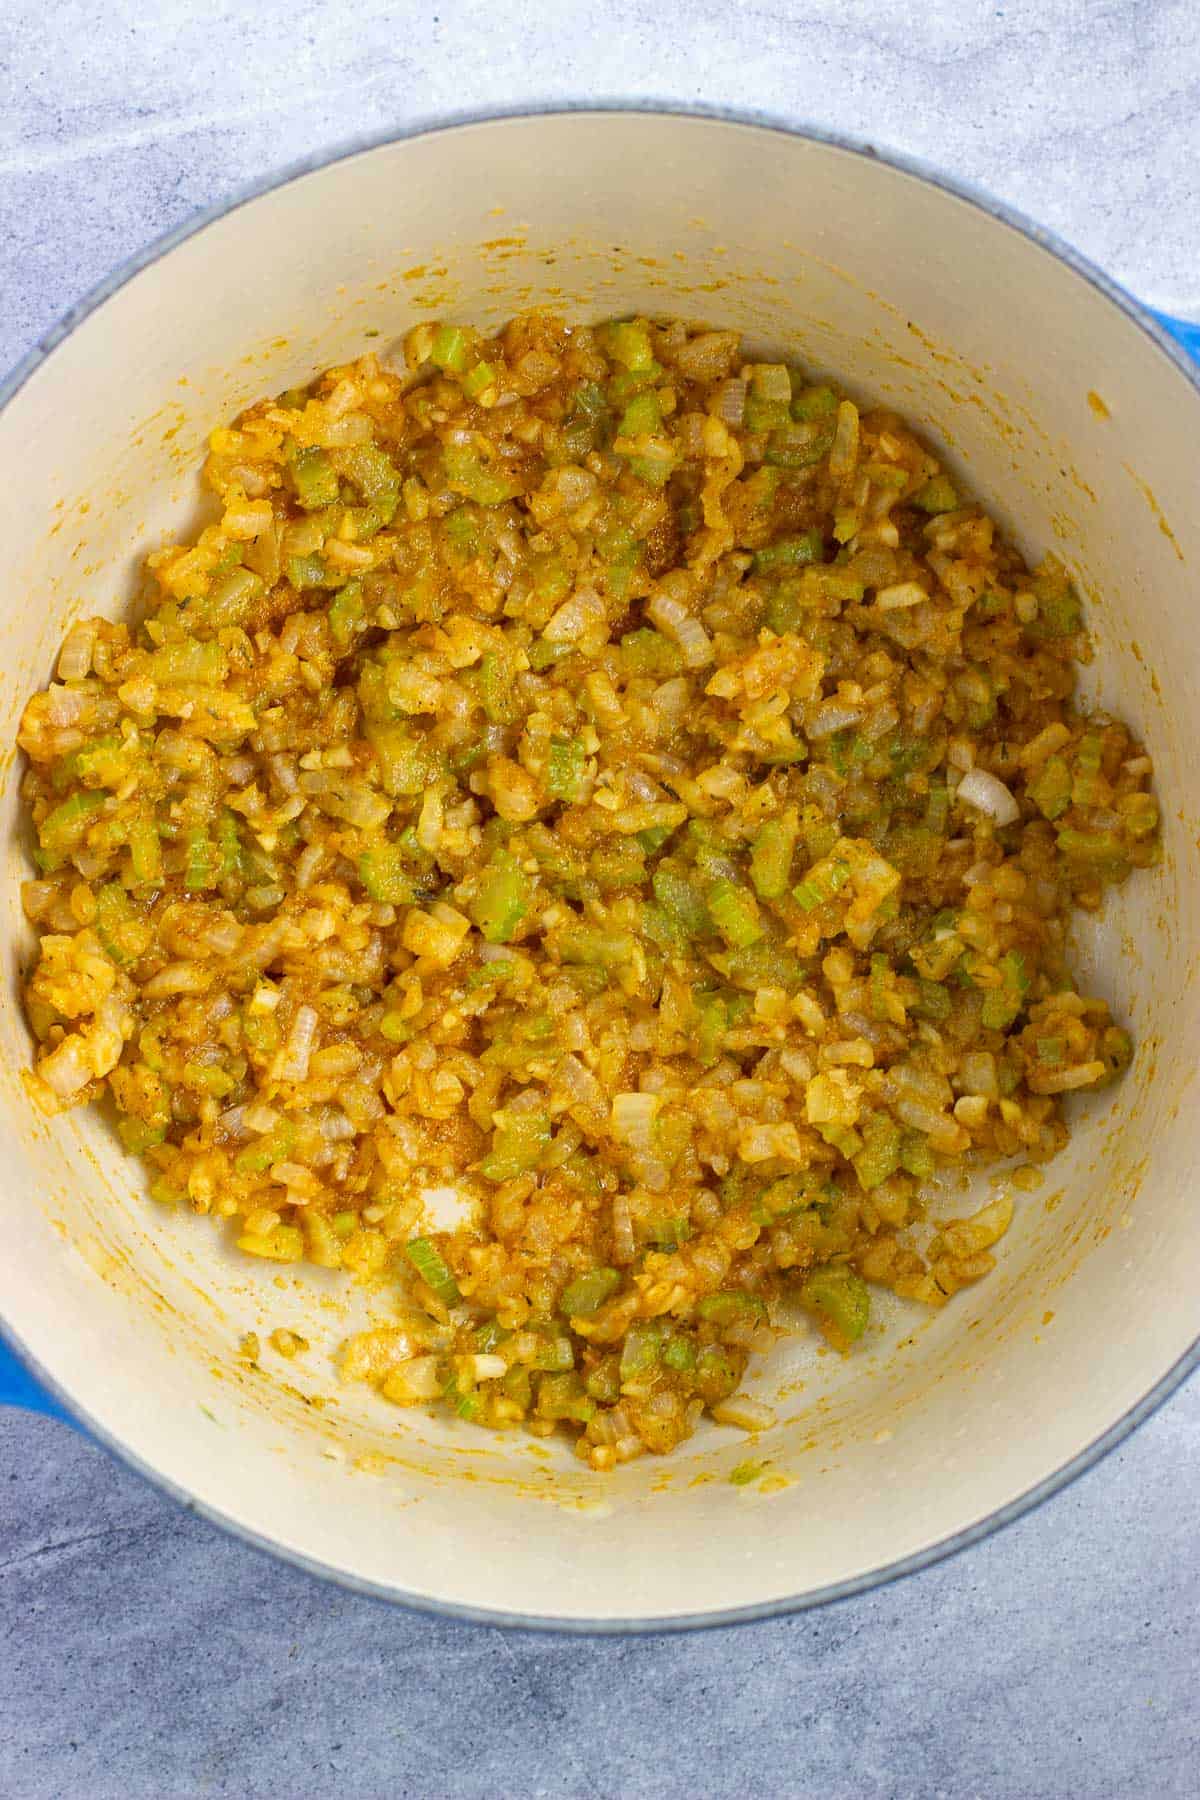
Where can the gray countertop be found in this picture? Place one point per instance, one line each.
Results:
(143, 1654)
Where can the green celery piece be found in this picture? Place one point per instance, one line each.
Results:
(188, 661)
(642, 416)
(145, 852)
(517, 1145)
(839, 1296)
(502, 899)
(62, 830)
(710, 1037)
(564, 769)
(648, 652)
(273, 1147)
(628, 343)
(347, 614)
(734, 912)
(916, 1157)
(771, 859)
(825, 879)
(681, 900)
(939, 495)
(1050, 791)
(640, 1351)
(1001, 1005)
(229, 599)
(495, 689)
(449, 349)
(478, 380)
(433, 1269)
(1100, 849)
(588, 1292)
(814, 403)
(384, 872)
(679, 1354)
(467, 474)
(370, 470)
(790, 552)
(314, 479)
(305, 571)
(592, 947)
(121, 932)
(729, 1307)
(880, 1154)
(797, 446)
(200, 868)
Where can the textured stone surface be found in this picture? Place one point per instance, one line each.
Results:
(142, 1654)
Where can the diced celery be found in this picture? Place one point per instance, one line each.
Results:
(771, 858)
(229, 599)
(939, 495)
(647, 652)
(628, 342)
(680, 899)
(543, 655)
(284, 1244)
(710, 1036)
(618, 865)
(734, 912)
(495, 688)
(555, 1353)
(271, 1148)
(640, 1351)
(433, 1269)
(790, 552)
(840, 1298)
(123, 933)
(518, 1144)
(679, 1354)
(825, 879)
(62, 830)
(729, 1307)
(187, 661)
(479, 380)
(408, 763)
(501, 900)
(347, 614)
(797, 446)
(449, 348)
(593, 947)
(1001, 1005)
(370, 470)
(814, 403)
(1101, 850)
(563, 1397)
(642, 417)
(716, 1373)
(137, 1135)
(314, 479)
(467, 474)
(1050, 790)
(933, 1001)
(200, 868)
(305, 571)
(564, 768)
(386, 874)
(145, 852)
(880, 1154)
(588, 1292)
(916, 1157)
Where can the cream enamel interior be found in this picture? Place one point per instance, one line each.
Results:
(910, 294)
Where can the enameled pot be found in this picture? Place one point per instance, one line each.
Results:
(1077, 419)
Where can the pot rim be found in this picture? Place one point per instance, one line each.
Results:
(903, 163)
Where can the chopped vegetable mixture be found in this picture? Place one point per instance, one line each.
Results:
(627, 787)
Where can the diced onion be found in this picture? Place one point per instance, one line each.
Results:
(988, 794)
